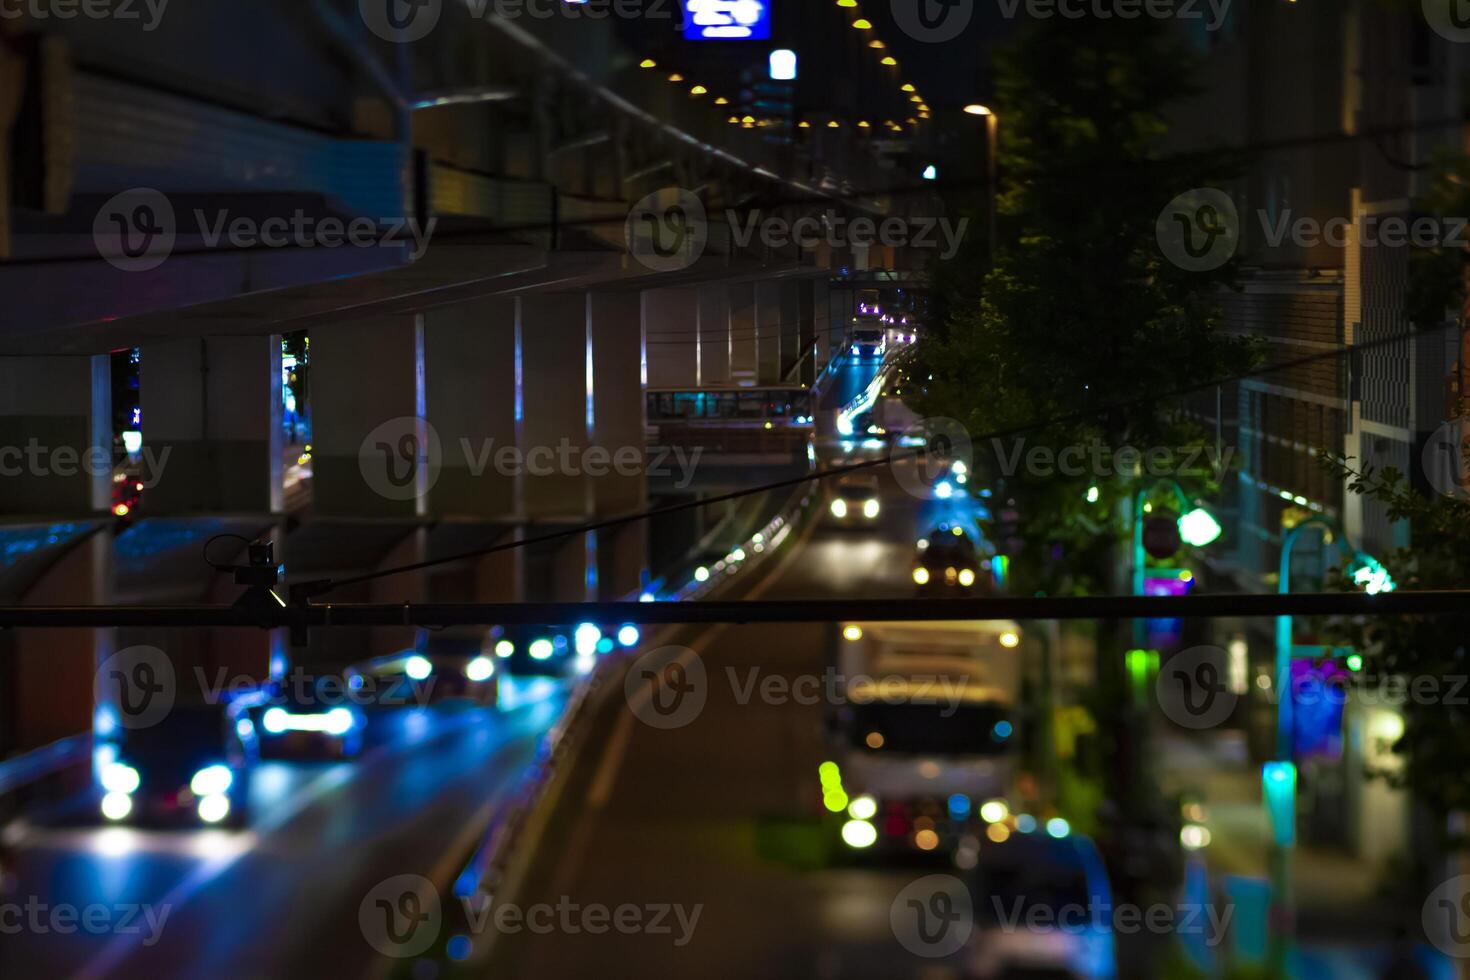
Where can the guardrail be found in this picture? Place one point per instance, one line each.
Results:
(37, 764)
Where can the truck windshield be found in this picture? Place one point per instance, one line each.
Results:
(937, 728)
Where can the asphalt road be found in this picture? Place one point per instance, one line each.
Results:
(719, 815)
(281, 898)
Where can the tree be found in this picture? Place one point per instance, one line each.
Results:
(1079, 317)
(1433, 747)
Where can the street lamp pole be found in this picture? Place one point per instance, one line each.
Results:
(992, 177)
(1279, 780)
(1140, 500)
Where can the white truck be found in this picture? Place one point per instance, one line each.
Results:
(924, 733)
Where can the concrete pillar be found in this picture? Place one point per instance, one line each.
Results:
(768, 333)
(56, 462)
(500, 577)
(671, 323)
(53, 670)
(744, 338)
(622, 561)
(55, 436)
(214, 405)
(841, 311)
(574, 569)
(619, 409)
(564, 570)
(372, 454)
(470, 393)
(714, 336)
(553, 423)
(618, 422)
(823, 322)
(792, 338)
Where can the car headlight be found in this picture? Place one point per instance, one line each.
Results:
(839, 508)
(339, 721)
(212, 781)
(117, 806)
(921, 575)
(628, 635)
(213, 809)
(504, 648)
(585, 637)
(479, 669)
(418, 668)
(274, 720)
(871, 508)
(118, 777)
(967, 577)
(541, 650)
(863, 808)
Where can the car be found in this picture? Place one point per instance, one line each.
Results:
(191, 769)
(559, 651)
(317, 717)
(947, 562)
(1043, 906)
(450, 669)
(869, 339)
(855, 501)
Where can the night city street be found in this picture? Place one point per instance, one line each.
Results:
(877, 489)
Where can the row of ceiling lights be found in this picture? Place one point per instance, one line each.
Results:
(699, 91)
(861, 23)
(876, 44)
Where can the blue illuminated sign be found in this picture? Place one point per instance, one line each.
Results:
(727, 20)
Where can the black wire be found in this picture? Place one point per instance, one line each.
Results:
(221, 568)
(308, 590)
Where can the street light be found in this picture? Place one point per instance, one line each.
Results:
(1197, 528)
(975, 109)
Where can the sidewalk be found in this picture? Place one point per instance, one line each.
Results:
(1345, 924)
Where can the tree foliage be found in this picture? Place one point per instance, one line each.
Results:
(1430, 651)
(1079, 318)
